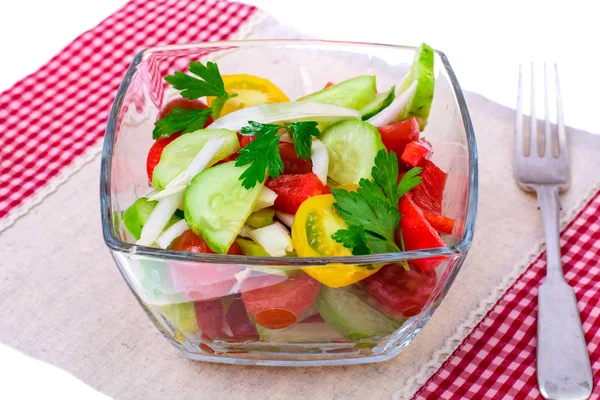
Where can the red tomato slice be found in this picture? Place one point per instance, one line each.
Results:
(239, 323)
(156, 151)
(244, 140)
(209, 316)
(294, 189)
(415, 153)
(418, 234)
(292, 164)
(399, 292)
(395, 137)
(158, 146)
(278, 301)
(202, 282)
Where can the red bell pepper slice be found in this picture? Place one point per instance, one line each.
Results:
(416, 153)
(293, 190)
(418, 233)
(395, 137)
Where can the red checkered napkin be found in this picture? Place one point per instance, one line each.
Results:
(497, 359)
(49, 119)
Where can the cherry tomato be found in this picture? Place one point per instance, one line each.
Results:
(202, 282)
(238, 321)
(251, 91)
(182, 102)
(292, 164)
(209, 315)
(417, 152)
(417, 233)
(278, 301)
(293, 190)
(314, 223)
(399, 292)
(395, 137)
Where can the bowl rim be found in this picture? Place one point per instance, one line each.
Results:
(116, 244)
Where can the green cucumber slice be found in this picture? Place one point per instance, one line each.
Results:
(182, 316)
(421, 71)
(250, 248)
(352, 316)
(137, 214)
(178, 154)
(381, 101)
(352, 147)
(353, 93)
(217, 205)
(261, 218)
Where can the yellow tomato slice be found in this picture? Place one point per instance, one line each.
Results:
(314, 223)
(251, 91)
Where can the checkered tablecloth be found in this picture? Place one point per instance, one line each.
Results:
(55, 119)
(497, 359)
(51, 118)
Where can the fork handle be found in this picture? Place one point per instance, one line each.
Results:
(563, 364)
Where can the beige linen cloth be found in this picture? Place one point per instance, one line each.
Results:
(63, 301)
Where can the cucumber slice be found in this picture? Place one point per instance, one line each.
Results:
(353, 93)
(304, 332)
(217, 205)
(178, 154)
(137, 214)
(421, 71)
(352, 147)
(182, 316)
(351, 316)
(381, 101)
(251, 248)
(261, 218)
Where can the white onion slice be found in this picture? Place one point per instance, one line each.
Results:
(320, 160)
(245, 232)
(159, 218)
(391, 112)
(287, 219)
(284, 112)
(198, 164)
(265, 199)
(171, 234)
(274, 238)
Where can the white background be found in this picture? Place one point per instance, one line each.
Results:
(485, 42)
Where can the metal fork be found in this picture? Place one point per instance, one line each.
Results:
(563, 364)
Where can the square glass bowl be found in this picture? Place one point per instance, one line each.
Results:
(194, 299)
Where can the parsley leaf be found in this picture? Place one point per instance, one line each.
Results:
(263, 152)
(372, 211)
(301, 135)
(180, 119)
(205, 81)
(210, 84)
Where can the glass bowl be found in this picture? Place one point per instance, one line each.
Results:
(194, 299)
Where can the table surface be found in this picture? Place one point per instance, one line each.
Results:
(484, 41)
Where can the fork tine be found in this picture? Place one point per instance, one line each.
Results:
(560, 123)
(519, 119)
(533, 149)
(547, 129)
